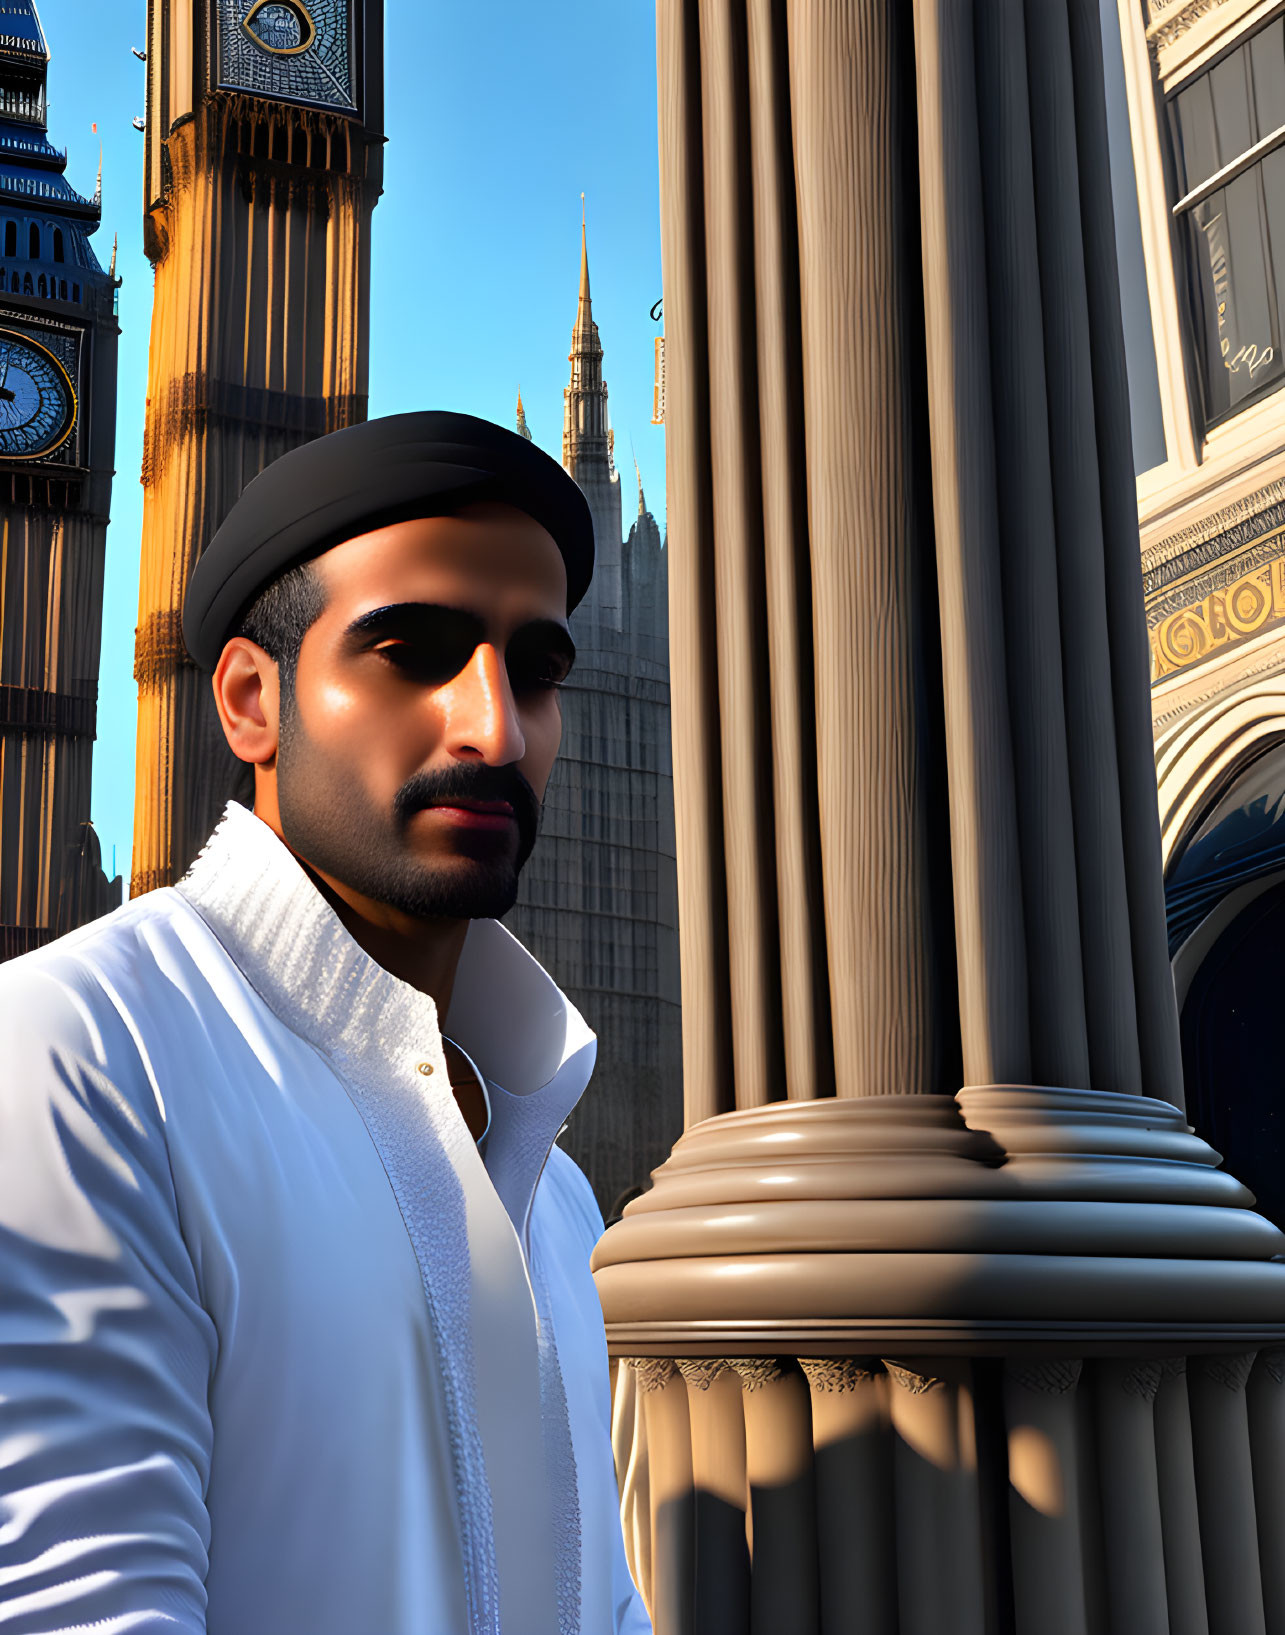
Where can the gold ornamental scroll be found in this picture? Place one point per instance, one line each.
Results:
(1253, 603)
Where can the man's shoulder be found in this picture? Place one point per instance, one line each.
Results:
(99, 967)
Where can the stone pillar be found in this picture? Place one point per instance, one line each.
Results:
(931, 1054)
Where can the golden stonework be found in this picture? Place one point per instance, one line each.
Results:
(1253, 603)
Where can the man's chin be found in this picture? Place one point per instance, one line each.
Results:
(464, 890)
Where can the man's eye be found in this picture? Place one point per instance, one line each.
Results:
(537, 678)
(436, 663)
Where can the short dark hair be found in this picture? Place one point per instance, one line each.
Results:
(281, 615)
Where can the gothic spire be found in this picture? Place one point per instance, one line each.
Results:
(523, 428)
(584, 430)
(642, 503)
(584, 309)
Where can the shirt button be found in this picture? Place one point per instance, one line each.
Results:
(425, 1068)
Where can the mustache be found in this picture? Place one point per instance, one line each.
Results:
(473, 782)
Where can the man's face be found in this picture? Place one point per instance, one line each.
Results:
(425, 720)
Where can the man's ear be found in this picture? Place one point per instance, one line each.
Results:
(248, 699)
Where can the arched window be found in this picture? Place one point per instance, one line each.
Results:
(11, 238)
(26, 284)
(2, 278)
(58, 248)
(75, 292)
(33, 242)
(42, 288)
(62, 289)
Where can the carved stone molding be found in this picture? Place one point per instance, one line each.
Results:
(159, 648)
(653, 1373)
(1048, 1376)
(910, 1380)
(1170, 20)
(827, 1374)
(195, 404)
(1273, 1365)
(1232, 1373)
(1143, 1380)
(1211, 527)
(758, 1372)
(701, 1372)
(1090, 1221)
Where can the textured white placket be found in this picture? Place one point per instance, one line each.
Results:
(507, 1413)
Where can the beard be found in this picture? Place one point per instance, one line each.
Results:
(330, 823)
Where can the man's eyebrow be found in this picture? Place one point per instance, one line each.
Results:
(547, 633)
(402, 614)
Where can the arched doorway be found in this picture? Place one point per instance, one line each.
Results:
(1232, 1054)
(1225, 902)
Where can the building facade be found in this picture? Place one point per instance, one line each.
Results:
(58, 342)
(1204, 89)
(598, 904)
(264, 163)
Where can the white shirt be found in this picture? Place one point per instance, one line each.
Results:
(278, 1352)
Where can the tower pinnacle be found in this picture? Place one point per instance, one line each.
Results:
(522, 427)
(585, 329)
(587, 445)
(584, 428)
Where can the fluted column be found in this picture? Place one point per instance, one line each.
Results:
(931, 1054)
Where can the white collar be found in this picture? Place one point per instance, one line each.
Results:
(528, 1039)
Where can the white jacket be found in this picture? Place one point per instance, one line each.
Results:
(278, 1354)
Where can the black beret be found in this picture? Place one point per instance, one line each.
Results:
(366, 477)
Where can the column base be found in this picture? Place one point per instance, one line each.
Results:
(1009, 1218)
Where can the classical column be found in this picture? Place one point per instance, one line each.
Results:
(931, 1056)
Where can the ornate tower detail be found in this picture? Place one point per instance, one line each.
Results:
(58, 337)
(587, 451)
(264, 163)
(599, 896)
(523, 429)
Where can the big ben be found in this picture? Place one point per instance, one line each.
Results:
(58, 341)
(263, 166)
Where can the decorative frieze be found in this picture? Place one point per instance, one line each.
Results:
(1170, 20)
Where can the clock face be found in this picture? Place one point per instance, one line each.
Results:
(296, 50)
(37, 399)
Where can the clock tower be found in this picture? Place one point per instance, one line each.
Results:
(263, 164)
(58, 337)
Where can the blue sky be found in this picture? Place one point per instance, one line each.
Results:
(498, 116)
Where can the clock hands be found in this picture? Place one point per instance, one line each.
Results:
(6, 396)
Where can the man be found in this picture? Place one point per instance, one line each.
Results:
(297, 1331)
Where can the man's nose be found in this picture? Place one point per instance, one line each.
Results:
(482, 716)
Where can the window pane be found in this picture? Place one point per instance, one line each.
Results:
(1267, 53)
(1196, 139)
(1253, 290)
(1230, 85)
(1234, 291)
(1209, 276)
(1272, 170)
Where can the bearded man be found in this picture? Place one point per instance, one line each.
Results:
(297, 1330)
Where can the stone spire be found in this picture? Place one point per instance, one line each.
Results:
(587, 446)
(522, 426)
(584, 426)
